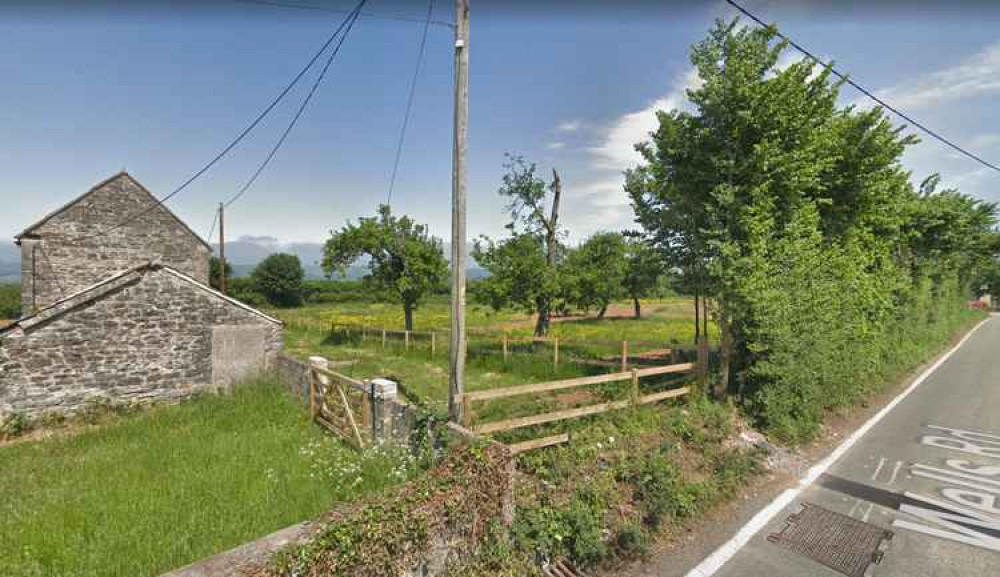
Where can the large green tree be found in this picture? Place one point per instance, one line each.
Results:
(527, 269)
(279, 278)
(405, 262)
(797, 219)
(597, 271)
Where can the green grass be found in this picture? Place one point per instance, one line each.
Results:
(156, 490)
(666, 321)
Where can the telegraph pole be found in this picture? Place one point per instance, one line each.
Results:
(222, 249)
(458, 194)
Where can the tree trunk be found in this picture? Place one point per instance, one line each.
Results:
(638, 309)
(697, 318)
(542, 324)
(725, 346)
(600, 313)
(408, 315)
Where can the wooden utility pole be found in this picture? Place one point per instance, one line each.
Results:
(222, 249)
(458, 191)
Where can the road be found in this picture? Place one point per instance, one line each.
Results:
(926, 468)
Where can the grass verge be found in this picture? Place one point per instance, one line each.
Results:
(153, 491)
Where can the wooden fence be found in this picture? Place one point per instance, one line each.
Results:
(342, 405)
(636, 399)
(631, 351)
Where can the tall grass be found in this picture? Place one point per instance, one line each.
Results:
(160, 489)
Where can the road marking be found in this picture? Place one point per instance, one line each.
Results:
(878, 469)
(895, 471)
(856, 503)
(868, 512)
(720, 556)
(957, 474)
(954, 481)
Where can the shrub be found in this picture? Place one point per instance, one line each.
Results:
(10, 301)
(631, 540)
(279, 278)
(13, 424)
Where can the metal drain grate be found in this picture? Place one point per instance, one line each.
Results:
(840, 542)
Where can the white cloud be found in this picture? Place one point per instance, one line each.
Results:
(976, 75)
(617, 151)
(569, 126)
(555, 145)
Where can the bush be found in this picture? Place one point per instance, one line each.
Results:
(279, 278)
(12, 425)
(336, 291)
(10, 301)
(242, 289)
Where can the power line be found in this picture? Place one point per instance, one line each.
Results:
(865, 91)
(409, 101)
(236, 140)
(353, 17)
(215, 221)
(341, 11)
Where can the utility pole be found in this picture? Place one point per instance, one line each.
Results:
(222, 249)
(458, 193)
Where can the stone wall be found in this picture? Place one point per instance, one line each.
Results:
(62, 255)
(147, 335)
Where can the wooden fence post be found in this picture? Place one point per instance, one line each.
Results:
(383, 338)
(315, 380)
(364, 333)
(635, 386)
(466, 412)
(703, 360)
(406, 340)
(555, 353)
(433, 343)
(506, 351)
(624, 356)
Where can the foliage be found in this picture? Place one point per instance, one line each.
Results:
(799, 221)
(279, 278)
(214, 268)
(390, 534)
(597, 270)
(146, 493)
(527, 269)
(13, 424)
(245, 290)
(406, 263)
(336, 291)
(10, 300)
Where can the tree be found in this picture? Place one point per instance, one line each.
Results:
(643, 268)
(405, 262)
(597, 271)
(526, 269)
(213, 272)
(279, 278)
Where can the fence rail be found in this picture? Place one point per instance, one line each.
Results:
(505, 345)
(542, 418)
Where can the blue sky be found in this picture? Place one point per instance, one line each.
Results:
(87, 92)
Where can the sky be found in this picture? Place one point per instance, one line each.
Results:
(159, 89)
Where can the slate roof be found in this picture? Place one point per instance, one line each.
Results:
(112, 282)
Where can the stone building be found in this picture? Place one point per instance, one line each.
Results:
(148, 330)
(85, 241)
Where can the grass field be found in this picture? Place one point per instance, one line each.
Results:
(153, 491)
(666, 322)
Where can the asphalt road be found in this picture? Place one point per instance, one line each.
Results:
(928, 471)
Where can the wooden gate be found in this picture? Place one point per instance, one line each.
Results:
(342, 405)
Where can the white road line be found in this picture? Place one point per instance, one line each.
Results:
(720, 556)
(868, 512)
(895, 471)
(856, 503)
(881, 461)
(954, 473)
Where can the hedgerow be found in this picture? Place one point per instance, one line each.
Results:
(828, 272)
